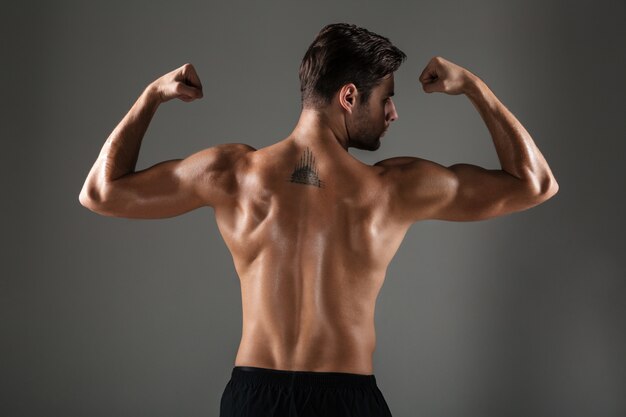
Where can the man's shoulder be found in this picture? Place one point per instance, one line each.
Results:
(221, 163)
(220, 167)
(391, 168)
(224, 157)
(395, 161)
(233, 150)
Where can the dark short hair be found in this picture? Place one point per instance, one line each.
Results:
(343, 53)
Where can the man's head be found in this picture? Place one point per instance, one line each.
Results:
(352, 63)
(342, 53)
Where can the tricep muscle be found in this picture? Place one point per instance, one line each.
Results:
(423, 190)
(173, 187)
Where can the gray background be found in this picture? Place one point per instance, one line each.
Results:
(523, 315)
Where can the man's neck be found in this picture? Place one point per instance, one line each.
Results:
(316, 126)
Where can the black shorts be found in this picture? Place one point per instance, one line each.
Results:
(261, 392)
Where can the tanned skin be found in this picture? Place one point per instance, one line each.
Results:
(312, 229)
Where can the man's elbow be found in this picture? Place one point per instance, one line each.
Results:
(549, 187)
(90, 199)
(554, 188)
(86, 202)
(545, 188)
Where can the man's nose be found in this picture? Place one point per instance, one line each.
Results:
(392, 116)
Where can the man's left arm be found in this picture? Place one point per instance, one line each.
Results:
(169, 188)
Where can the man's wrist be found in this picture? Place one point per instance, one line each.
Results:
(153, 94)
(473, 85)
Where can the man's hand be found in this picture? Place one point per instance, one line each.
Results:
(182, 83)
(443, 76)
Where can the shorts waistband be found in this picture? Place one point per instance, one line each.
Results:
(255, 375)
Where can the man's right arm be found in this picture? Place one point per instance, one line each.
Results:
(423, 189)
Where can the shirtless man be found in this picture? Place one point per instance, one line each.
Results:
(311, 228)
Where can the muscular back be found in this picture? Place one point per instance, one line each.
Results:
(311, 231)
(310, 228)
(311, 241)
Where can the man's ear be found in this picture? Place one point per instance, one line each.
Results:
(348, 96)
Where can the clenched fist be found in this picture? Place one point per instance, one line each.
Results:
(182, 83)
(443, 76)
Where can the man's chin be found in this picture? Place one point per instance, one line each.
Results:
(374, 146)
(368, 146)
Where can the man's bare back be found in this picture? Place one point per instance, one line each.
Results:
(311, 258)
(312, 229)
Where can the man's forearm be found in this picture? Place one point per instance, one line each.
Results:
(120, 152)
(517, 152)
